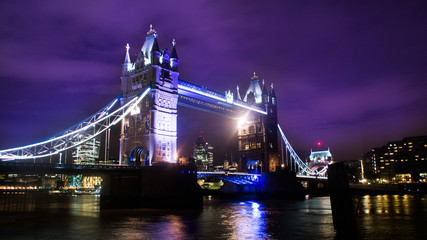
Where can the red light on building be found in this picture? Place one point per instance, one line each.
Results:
(319, 143)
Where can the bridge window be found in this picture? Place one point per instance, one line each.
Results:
(258, 145)
(246, 146)
(251, 129)
(244, 131)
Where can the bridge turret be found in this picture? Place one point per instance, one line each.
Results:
(127, 64)
(255, 89)
(153, 125)
(155, 53)
(273, 96)
(151, 49)
(238, 93)
(264, 93)
(257, 134)
(174, 61)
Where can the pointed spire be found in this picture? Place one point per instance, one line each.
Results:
(155, 46)
(152, 31)
(264, 93)
(127, 64)
(127, 58)
(254, 88)
(174, 60)
(174, 54)
(273, 94)
(238, 93)
(264, 89)
(255, 77)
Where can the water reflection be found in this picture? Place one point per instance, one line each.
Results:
(246, 221)
(79, 217)
(392, 216)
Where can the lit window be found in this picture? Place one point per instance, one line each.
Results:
(251, 130)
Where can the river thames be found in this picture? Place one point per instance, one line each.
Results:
(33, 216)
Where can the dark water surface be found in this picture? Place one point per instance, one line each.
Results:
(79, 217)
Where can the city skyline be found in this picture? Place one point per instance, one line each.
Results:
(349, 75)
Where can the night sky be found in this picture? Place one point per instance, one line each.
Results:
(351, 74)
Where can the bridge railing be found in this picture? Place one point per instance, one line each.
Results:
(76, 135)
(236, 177)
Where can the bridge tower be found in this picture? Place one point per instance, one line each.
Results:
(257, 133)
(152, 125)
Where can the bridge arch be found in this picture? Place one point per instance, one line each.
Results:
(137, 155)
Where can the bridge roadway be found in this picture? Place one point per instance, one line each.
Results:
(238, 178)
(58, 168)
(253, 177)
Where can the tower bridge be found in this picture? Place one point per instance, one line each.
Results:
(147, 112)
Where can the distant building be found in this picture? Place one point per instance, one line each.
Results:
(86, 153)
(398, 161)
(355, 171)
(203, 154)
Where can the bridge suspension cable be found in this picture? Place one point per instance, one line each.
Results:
(77, 134)
(301, 165)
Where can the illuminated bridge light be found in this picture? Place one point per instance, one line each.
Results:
(61, 142)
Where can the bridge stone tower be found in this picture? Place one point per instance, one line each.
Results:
(152, 126)
(257, 133)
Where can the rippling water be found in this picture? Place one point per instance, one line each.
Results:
(79, 217)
